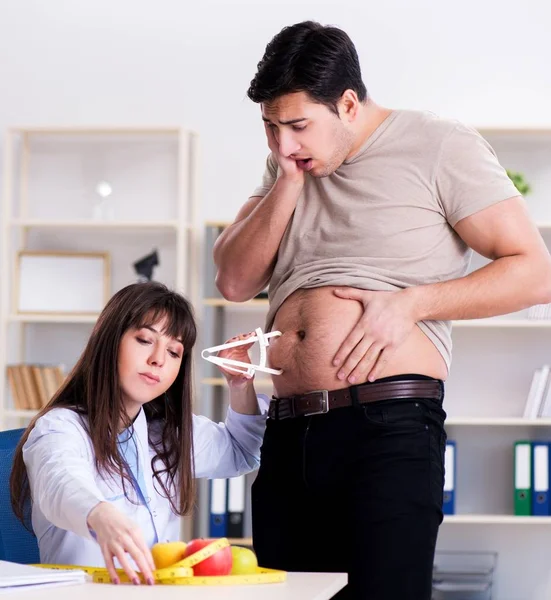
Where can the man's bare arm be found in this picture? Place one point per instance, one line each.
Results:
(246, 251)
(519, 275)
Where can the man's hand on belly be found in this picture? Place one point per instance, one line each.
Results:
(387, 320)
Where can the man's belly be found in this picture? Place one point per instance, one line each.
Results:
(314, 323)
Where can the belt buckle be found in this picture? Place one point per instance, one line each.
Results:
(324, 402)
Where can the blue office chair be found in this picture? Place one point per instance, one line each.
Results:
(17, 544)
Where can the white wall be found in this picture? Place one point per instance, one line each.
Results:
(175, 61)
(137, 62)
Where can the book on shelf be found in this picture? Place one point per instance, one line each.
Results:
(531, 475)
(33, 386)
(538, 401)
(450, 464)
(227, 507)
(540, 312)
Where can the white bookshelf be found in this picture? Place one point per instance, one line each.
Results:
(496, 422)
(501, 323)
(495, 520)
(492, 367)
(219, 318)
(39, 318)
(170, 225)
(25, 415)
(221, 302)
(154, 173)
(45, 206)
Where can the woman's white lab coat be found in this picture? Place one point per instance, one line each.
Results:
(65, 484)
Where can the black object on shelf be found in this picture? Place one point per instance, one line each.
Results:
(263, 294)
(144, 266)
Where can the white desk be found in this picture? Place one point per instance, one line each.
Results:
(299, 586)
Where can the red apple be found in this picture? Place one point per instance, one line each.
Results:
(220, 563)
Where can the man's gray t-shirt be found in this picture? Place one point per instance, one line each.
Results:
(384, 219)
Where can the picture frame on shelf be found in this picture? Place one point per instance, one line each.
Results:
(61, 283)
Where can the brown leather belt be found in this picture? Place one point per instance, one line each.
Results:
(321, 401)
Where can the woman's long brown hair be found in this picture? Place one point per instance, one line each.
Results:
(93, 390)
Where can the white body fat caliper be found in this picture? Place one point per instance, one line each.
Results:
(238, 366)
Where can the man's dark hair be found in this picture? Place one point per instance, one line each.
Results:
(308, 57)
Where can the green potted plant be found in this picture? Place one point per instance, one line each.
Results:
(520, 182)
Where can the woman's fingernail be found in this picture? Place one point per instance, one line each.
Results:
(352, 379)
(150, 581)
(116, 581)
(341, 375)
(336, 362)
(136, 581)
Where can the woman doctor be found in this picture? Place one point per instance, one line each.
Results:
(109, 464)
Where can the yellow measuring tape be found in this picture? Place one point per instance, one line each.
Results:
(181, 573)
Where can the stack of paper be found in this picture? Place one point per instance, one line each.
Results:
(14, 576)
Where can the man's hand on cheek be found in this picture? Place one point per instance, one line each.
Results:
(387, 320)
(288, 166)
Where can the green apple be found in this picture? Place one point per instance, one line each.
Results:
(244, 561)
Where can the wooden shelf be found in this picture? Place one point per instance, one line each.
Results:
(26, 414)
(100, 130)
(30, 318)
(510, 130)
(241, 541)
(495, 520)
(91, 224)
(223, 302)
(498, 322)
(218, 224)
(497, 422)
